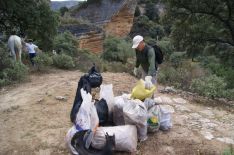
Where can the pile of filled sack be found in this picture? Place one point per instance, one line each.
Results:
(113, 123)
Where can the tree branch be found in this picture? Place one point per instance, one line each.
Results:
(218, 40)
(226, 22)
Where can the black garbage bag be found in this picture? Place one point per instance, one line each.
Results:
(83, 83)
(102, 111)
(78, 144)
(94, 77)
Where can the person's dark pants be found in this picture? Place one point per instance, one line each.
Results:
(31, 56)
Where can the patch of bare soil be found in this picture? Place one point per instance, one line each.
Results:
(33, 121)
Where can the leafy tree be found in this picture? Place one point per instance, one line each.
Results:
(151, 11)
(141, 26)
(63, 10)
(197, 23)
(156, 31)
(33, 18)
(137, 12)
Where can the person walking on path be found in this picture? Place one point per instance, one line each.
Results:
(31, 50)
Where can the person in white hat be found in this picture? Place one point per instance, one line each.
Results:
(145, 57)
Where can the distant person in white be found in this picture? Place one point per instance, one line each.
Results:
(31, 50)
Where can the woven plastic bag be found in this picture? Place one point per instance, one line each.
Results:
(135, 113)
(125, 137)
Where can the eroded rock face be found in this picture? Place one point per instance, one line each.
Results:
(114, 17)
(121, 23)
(92, 42)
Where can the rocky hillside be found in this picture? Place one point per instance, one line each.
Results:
(113, 17)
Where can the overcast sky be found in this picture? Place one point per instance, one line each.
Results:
(67, 0)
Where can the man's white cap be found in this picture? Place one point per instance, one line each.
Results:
(136, 40)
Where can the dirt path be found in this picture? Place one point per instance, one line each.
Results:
(33, 121)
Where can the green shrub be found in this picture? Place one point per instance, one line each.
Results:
(15, 73)
(85, 60)
(117, 49)
(229, 151)
(5, 60)
(66, 43)
(4, 82)
(42, 61)
(63, 61)
(10, 71)
(180, 77)
(167, 75)
(228, 93)
(229, 74)
(117, 67)
(213, 64)
(177, 58)
(143, 21)
(211, 86)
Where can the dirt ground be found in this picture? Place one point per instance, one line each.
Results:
(33, 121)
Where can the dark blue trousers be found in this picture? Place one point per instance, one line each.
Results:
(31, 56)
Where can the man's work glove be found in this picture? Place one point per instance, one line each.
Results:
(135, 71)
(148, 82)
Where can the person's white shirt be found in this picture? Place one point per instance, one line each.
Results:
(31, 47)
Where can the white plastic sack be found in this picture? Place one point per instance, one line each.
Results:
(87, 117)
(125, 137)
(149, 103)
(165, 120)
(71, 132)
(118, 116)
(158, 100)
(135, 113)
(153, 120)
(106, 93)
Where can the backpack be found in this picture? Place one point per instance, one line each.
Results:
(158, 54)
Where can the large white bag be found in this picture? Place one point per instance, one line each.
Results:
(125, 137)
(135, 113)
(106, 93)
(118, 116)
(165, 120)
(87, 117)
